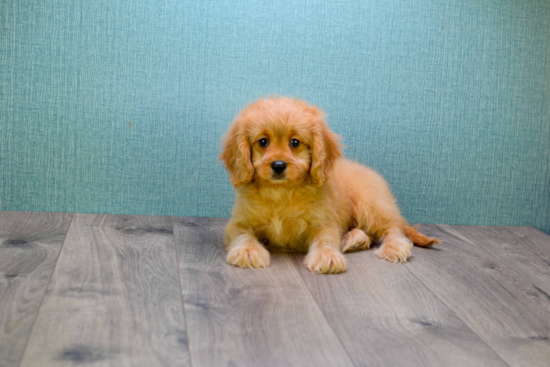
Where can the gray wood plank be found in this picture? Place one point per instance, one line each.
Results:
(114, 298)
(386, 317)
(515, 251)
(533, 239)
(497, 303)
(248, 317)
(29, 247)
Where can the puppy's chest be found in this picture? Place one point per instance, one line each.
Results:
(285, 226)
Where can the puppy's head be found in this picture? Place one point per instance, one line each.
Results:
(280, 141)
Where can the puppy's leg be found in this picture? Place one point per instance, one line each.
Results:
(395, 246)
(243, 249)
(356, 240)
(324, 255)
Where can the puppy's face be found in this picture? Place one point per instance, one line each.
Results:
(280, 142)
(281, 152)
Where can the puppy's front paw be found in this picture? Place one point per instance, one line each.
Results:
(249, 255)
(325, 261)
(395, 248)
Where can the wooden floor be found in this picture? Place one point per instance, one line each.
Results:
(116, 290)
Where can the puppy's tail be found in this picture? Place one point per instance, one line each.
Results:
(418, 238)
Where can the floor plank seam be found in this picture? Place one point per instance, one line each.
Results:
(181, 292)
(73, 215)
(320, 309)
(460, 318)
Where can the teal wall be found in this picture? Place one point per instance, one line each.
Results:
(118, 106)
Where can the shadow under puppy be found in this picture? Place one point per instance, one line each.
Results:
(296, 193)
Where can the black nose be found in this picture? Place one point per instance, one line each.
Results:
(278, 167)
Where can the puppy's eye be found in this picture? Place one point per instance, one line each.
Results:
(263, 142)
(294, 143)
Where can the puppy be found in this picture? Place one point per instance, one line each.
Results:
(296, 193)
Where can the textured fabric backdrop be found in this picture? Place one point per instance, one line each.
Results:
(118, 106)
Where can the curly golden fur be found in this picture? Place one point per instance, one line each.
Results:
(296, 193)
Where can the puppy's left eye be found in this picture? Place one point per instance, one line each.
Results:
(294, 143)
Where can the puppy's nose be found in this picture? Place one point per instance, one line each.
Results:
(278, 167)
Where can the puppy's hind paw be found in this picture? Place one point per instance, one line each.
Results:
(356, 240)
(396, 248)
(248, 256)
(325, 261)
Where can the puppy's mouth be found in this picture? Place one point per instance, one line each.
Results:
(278, 177)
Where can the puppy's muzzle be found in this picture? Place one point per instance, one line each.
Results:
(278, 167)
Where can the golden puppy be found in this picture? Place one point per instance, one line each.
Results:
(296, 193)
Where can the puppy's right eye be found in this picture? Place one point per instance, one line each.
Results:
(263, 142)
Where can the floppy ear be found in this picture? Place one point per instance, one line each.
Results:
(236, 155)
(325, 150)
